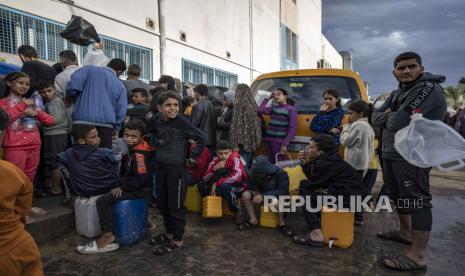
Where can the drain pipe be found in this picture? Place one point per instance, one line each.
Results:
(161, 24)
(251, 39)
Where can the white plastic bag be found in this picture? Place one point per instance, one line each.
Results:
(96, 57)
(427, 143)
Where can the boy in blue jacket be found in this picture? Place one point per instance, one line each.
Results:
(135, 183)
(92, 170)
(265, 179)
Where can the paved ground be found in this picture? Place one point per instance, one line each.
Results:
(214, 247)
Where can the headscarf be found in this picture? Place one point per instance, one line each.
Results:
(229, 95)
(246, 126)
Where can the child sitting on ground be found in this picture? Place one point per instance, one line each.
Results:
(136, 182)
(327, 174)
(92, 170)
(197, 169)
(227, 175)
(56, 137)
(265, 179)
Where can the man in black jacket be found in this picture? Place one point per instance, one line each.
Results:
(327, 174)
(407, 184)
(204, 116)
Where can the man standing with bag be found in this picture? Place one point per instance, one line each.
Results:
(407, 184)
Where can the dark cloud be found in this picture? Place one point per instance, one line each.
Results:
(375, 31)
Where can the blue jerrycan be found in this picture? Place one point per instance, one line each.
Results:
(130, 221)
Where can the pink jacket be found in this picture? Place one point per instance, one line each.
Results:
(15, 135)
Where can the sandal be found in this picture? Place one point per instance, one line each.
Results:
(92, 248)
(286, 231)
(246, 226)
(393, 235)
(306, 240)
(403, 263)
(166, 248)
(36, 211)
(160, 239)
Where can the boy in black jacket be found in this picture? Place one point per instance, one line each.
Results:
(91, 170)
(265, 179)
(170, 134)
(327, 174)
(136, 182)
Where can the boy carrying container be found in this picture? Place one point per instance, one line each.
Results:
(225, 175)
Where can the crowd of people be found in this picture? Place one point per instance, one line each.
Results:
(123, 139)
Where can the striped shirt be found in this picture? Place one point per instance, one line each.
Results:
(283, 122)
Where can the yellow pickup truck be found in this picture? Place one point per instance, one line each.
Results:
(306, 87)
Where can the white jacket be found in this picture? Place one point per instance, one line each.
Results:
(358, 139)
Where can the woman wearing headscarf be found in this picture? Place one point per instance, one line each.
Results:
(245, 129)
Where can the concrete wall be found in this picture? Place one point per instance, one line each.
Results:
(212, 28)
(114, 9)
(309, 18)
(330, 54)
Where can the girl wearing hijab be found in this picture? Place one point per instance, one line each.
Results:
(245, 129)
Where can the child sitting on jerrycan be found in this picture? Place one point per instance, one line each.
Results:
(328, 175)
(225, 175)
(136, 183)
(265, 179)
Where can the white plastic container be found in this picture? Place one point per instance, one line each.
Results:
(86, 215)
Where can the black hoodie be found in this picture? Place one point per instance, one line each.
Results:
(93, 170)
(433, 108)
(267, 178)
(329, 171)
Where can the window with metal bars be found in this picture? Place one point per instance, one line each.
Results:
(197, 73)
(18, 28)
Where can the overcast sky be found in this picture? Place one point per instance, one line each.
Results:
(375, 31)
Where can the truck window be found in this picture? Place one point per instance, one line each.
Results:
(307, 91)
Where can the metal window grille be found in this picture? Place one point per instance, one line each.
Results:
(18, 28)
(197, 73)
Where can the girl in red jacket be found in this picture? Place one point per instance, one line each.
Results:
(22, 138)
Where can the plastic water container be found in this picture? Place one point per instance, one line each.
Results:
(225, 209)
(130, 221)
(86, 216)
(193, 201)
(337, 227)
(212, 207)
(268, 219)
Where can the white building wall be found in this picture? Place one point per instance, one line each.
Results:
(309, 20)
(212, 27)
(117, 9)
(266, 36)
(330, 54)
